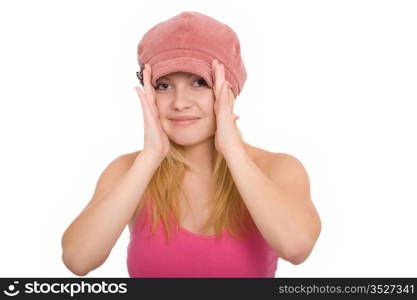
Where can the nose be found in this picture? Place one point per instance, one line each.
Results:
(182, 98)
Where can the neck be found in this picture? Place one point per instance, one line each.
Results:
(200, 157)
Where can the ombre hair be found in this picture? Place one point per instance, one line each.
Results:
(227, 209)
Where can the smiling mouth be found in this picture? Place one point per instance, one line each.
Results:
(184, 122)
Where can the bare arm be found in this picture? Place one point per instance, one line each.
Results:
(89, 239)
(279, 202)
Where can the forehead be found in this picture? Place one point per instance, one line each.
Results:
(178, 74)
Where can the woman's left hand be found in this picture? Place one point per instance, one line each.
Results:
(227, 136)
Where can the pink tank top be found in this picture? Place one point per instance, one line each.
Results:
(188, 254)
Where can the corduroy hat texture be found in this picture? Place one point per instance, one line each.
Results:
(189, 42)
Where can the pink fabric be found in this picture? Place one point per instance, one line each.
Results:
(192, 255)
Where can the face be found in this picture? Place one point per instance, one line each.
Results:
(185, 94)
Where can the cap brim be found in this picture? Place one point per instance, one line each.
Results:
(183, 64)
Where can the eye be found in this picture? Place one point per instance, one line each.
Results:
(158, 84)
(201, 81)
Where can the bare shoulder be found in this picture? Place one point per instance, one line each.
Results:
(130, 156)
(285, 167)
(280, 167)
(114, 172)
(289, 172)
(284, 161)
(264, 158)
(291, 175)
(129, 159)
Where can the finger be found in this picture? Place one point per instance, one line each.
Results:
(217, 82)
(149, 89)
(147, 79)
(224, 87)
(213, 72)
(230, 96)
(139, 92)
(223, 95)
(221, 72)
(213, 66)
(141, 96)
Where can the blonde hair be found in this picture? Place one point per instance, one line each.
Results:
(227, 209)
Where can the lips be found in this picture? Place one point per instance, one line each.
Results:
(185, 118)
(184, 121)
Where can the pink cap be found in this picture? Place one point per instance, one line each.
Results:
(189, 42)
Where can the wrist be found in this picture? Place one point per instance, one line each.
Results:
(150, 157)
(232, 151)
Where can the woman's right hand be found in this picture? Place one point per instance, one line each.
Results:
(156, 141)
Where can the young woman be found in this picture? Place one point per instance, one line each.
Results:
(198, 200)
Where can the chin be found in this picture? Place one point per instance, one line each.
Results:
(184, 141)
(189, 139)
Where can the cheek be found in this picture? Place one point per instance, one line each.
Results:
(211, 119)
(162, 109)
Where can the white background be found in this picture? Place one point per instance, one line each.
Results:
(334, 83)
